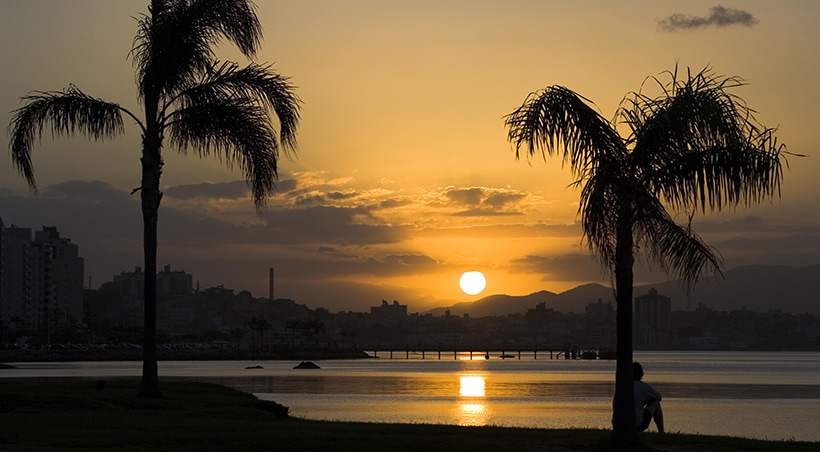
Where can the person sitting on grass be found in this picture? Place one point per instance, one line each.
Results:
(647, 401)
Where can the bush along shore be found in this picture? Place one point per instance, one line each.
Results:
(182, 354)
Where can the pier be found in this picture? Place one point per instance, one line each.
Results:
(471, 354)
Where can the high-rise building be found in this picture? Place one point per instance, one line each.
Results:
(652, 319)
(169, 282)
(389, 312)
(41, 279)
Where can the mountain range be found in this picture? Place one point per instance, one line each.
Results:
(759, 288)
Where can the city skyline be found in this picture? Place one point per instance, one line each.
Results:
(404, 179)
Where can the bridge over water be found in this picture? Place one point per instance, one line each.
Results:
(479, 353)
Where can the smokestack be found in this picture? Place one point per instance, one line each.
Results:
(270, 283)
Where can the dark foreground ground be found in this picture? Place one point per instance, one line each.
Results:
(78, 415)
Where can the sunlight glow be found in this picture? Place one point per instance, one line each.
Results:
(472, 283)
(471, 386)
(472, 414)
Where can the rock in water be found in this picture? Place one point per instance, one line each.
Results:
(306, 365)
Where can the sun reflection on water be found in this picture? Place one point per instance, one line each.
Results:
(471, 408)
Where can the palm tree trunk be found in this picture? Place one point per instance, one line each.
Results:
(151, 170)
(624, 430)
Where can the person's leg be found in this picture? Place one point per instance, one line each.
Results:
(658, 417)
(647, 419)
(652, 411)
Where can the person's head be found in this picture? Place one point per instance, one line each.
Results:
(637, 371)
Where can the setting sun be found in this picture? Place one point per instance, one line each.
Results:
(472, 283)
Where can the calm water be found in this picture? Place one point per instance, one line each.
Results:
(748, 394)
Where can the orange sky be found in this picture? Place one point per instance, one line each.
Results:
(404, 178)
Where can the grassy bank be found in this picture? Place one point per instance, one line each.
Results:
(60, 415)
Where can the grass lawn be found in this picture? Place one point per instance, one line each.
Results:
(60, 415)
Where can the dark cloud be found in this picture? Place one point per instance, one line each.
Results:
(503, 199)
(581, 268)
(507, 231)
(800, 249)
(310, 199)
(328, 224)
(568, 267)
(333, 252)
(224, 190)
(286, 185)
(393, 203)
(315, 198)
(467, 196)
(477, 201)
(84, 191)
(485, 212)
(416, 261)
(751, 225)
(719, 16)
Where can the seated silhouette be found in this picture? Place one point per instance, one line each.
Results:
(647, 401)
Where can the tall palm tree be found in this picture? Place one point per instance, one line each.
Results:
(695, 147)
(189, 97)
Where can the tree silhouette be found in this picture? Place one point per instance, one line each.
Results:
(693, 148)
(252, 325)
(189, 97)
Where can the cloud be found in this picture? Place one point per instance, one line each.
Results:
(373, 240)
(483, 201)
(719, 17)
(333, 252)
(225, 190)
(568, 267)
(322, 224)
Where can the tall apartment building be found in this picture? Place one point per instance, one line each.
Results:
(652, 319)
(41, 279)
(389, 312)
(131, 285)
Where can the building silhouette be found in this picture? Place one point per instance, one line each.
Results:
(41, 279)
(389, 312)
(171, 284)
(652, 320)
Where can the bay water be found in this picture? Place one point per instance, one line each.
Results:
(764, 395)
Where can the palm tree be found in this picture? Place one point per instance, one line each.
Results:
(694, 148)
(252, 326)
(263, 326)
(189, 97)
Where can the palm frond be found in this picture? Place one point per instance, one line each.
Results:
(238, 131)
(677, 249)
(272, 90)
(174, 42)
(599, 213)
(69, 112)
(236, 20)
(558, 121)
(700, 146)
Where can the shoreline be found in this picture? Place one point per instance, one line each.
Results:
(201, 416)
(215, 354)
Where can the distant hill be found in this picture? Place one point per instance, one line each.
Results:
(760, 288)
(573, 300)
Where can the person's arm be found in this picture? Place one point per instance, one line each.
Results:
(653, 393)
